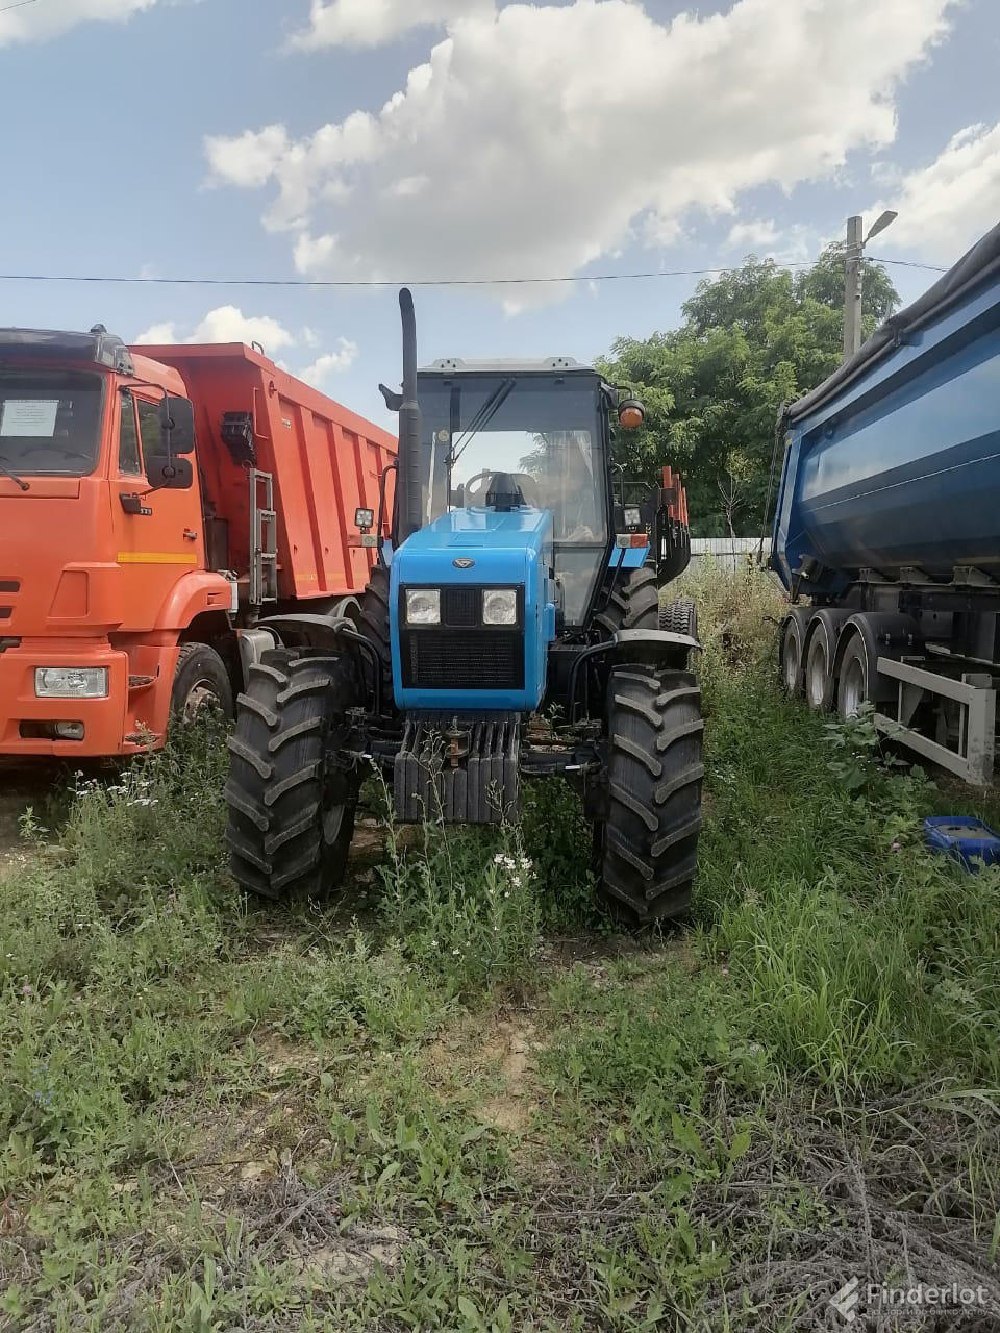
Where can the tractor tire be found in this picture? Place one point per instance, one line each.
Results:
(648, 845)
(373, 623)
(201, 682)
(680, 617)
(634, 604)
(291, 804)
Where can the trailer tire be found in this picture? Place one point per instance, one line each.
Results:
(680, 617)
(291, 801)
(854, 683)
(634, 604)
(791, 656)
(648, 843)
(201, 682)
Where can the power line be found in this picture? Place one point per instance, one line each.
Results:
(19, 5)
(118, 280)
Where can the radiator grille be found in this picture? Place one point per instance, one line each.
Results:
(462, 607)
(487, 660)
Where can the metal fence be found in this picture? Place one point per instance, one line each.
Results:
(727, 552)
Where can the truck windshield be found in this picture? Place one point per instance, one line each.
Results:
(543, 432)
(49, 421)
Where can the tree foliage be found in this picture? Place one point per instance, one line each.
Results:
(751, 340)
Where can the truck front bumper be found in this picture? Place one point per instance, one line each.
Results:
(27, 723)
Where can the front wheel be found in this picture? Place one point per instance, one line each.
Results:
(291, 795)
(201, 683)
(648, 845)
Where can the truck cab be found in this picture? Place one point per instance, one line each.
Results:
(102, 550)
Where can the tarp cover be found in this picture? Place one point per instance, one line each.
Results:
(975, 268)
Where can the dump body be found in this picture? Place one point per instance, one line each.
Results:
(324, 459)
(888, 525)
(894, 464)
(107, 576)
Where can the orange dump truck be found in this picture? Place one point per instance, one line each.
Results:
(154, 502)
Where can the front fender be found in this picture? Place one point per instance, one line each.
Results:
(653, 647)
(191, 596)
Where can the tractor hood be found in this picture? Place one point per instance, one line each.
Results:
(461, 663)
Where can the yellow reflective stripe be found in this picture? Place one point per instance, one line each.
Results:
(156, 558)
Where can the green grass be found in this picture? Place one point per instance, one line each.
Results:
(456, 1098)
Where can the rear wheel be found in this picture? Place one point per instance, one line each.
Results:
(648, 845)
(853, 688)
(790, 658)
(291, 797)
(818, 673)
(201, 684)
(634, 604)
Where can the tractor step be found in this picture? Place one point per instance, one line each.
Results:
(458, 770)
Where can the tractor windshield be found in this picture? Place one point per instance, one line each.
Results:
(49, 421)
(544, 436)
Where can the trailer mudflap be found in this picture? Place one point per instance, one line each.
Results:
(458, 770)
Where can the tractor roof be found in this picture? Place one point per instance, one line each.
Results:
(545, 366)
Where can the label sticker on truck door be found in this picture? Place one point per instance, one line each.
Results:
(29, 418)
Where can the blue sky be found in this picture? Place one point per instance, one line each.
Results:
(248, 138)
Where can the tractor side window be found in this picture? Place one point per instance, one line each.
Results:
(129, 458)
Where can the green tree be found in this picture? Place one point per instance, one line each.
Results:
(751, 340)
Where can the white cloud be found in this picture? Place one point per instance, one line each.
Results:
(753, 233)
(944, 207)
(326, 367)
(226, 324)
(513, 153)
(372, 22)
(51, 18)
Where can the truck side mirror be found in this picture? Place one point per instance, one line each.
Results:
(169, 474)
(176, 426)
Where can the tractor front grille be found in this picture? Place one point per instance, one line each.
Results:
(476, 660)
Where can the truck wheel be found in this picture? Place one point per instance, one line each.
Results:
(291, 801)
(374, 623)
(853, 688)
(201, 682)
(680, 617)
(634, 604)
(818, 679)
(648, 845)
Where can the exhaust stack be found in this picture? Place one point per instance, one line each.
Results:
(409, 479)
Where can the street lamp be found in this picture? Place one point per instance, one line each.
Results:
(852, 293)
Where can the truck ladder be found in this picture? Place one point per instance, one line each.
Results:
(263, 539)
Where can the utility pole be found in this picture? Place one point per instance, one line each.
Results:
(852, 287)
(852, 290)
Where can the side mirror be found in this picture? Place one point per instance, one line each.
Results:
(169, 474)
(176, 426)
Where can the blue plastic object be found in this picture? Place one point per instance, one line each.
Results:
(964, 838)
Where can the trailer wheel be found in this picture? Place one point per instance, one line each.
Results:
(854, 686)
(291, 799)
(201, 682)
(648, 845)
(818, 680)
(790, 657)
(634, 604)
(680, 617)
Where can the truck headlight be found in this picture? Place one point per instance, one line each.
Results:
(500, 606)
(423, 606)
(71, 682)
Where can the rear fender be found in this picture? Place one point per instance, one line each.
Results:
(885, 634)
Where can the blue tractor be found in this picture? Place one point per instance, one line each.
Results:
(512, 629)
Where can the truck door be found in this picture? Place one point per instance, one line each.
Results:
(157, 532)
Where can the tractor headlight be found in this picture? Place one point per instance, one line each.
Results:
(500, 606)
(71, 682)
(423, 606)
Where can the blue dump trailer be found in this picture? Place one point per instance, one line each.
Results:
(887, 529)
